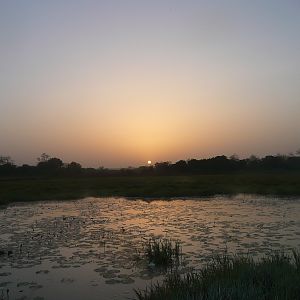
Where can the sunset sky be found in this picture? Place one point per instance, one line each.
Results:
(120, 82)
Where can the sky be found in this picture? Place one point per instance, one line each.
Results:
(119, 82)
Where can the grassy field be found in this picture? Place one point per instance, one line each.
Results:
(234, 278)
(32, 189)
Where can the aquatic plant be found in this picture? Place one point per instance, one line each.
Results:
(296, 256)
(163, 252)
(233, 277)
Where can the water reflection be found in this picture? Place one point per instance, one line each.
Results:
(89, 248)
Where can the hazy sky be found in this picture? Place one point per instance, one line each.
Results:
(116, 83)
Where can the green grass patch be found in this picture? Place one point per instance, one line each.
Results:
(32, 189)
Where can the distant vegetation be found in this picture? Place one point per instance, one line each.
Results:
(53, 167)
(35, 189)
(51, 179)
(235, 278)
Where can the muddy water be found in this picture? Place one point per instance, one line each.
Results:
(91, 248)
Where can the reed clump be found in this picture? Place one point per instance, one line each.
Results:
(233, 277)
(163, 252)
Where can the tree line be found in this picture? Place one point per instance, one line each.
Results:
(52, 166)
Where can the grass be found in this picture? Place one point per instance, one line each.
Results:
(276, 277)
(163, 252)
(32, 189)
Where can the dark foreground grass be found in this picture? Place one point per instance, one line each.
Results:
(31, 189)
(233, 278)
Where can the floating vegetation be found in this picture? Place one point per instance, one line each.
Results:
(163, 252)
(67, 280)
(233, 277)
(88, 245)
(42, 272)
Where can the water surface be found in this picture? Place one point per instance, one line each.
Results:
(89, 248)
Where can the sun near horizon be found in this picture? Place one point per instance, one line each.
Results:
(113, 82)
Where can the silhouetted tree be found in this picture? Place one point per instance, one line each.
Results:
(26, 170)
(7, 166)
(180, 166)
(50, 166)
(6, 160)
(162, 167)
(43, 158)
(234, 157)
(74, 168)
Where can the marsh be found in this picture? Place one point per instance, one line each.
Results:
(94, 246)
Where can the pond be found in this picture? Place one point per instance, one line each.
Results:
(92, 248)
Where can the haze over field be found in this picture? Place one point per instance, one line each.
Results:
(118, 83)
